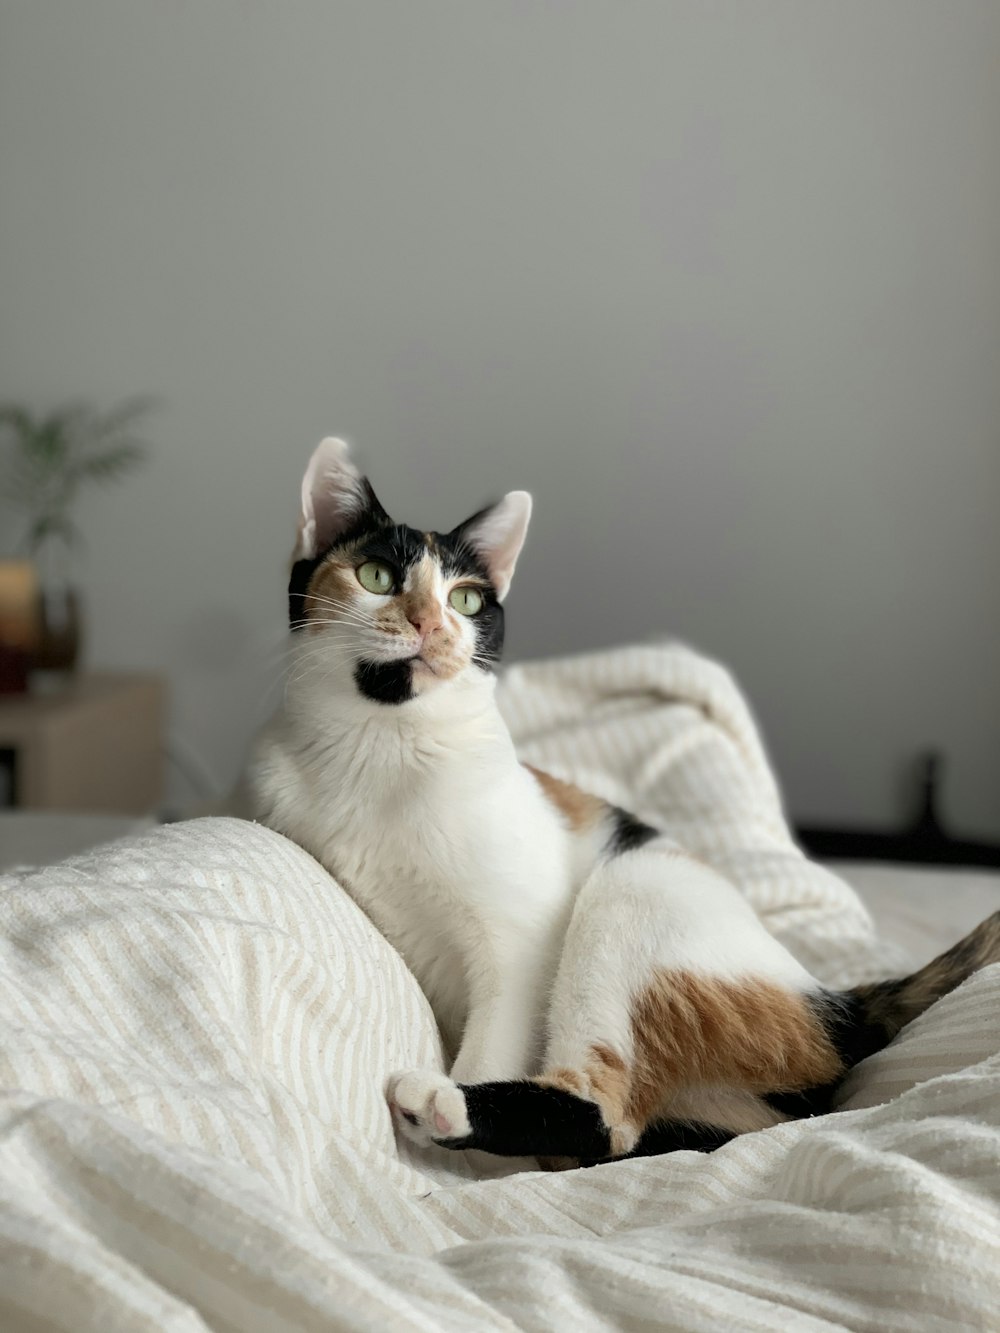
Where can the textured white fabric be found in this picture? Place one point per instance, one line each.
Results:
(195, 1026)
(922, 908)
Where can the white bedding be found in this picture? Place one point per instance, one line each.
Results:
(195, 1026)
(924, 909)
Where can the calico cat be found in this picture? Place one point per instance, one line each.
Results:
(605, 993)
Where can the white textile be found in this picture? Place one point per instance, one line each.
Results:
(196, 1024)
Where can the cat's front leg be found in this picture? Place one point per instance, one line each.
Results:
(502, 1040)
(427, 1106)
(504, 1033)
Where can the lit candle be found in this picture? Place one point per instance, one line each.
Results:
(19, 608)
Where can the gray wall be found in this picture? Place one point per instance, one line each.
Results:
(719, 282)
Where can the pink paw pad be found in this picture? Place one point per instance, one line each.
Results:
(427, 1105)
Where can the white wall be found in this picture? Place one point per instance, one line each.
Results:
(719, 282)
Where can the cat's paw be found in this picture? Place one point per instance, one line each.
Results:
(427, 1106)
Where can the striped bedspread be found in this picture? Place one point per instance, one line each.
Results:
(195, 1026)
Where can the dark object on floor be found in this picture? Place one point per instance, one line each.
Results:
(924, 841)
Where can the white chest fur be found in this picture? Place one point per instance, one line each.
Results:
(424, 815)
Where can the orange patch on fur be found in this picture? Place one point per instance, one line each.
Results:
(704, 1049)
(611, 1081)
(569, 1080)
(604, 1080)
(334, 585)
(753, 1035)
(582, 811)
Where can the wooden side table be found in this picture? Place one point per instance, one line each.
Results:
(94, 744)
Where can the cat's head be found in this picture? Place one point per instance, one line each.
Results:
(393, 610)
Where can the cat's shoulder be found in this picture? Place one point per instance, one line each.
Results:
(579, 809)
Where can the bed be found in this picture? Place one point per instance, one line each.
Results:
(197, 1024)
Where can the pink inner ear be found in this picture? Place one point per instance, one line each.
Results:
(498, 536)
(333, 496)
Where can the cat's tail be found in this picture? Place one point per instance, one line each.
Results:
(863, 1020)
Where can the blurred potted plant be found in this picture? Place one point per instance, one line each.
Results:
(49, 458)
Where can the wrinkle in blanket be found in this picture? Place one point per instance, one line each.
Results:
(196, 1024)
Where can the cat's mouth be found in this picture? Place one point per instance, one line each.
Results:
(414, 657)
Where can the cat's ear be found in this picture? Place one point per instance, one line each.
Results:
(497, 534)
(335, 499)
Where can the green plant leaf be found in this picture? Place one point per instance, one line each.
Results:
(54, 439)
(113, 462)
(17, 421)
(50, 456)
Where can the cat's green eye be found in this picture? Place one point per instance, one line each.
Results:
(467, 601)
(376, 577)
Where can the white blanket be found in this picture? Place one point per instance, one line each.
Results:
(195, 1027)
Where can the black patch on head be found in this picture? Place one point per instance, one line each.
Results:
(520, 1119)
(372, 513)
(489, 630)
(370, 518)
(394, 544)
(459, 537)
(298, 586)
(627, 833)
(374, 536)
(400, 546)
(459, 560)
(385, 682)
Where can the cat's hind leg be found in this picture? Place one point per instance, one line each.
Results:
(673, 1013)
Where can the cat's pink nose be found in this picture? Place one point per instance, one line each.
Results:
(425, 620)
